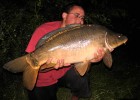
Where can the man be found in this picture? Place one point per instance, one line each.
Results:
(48, 82)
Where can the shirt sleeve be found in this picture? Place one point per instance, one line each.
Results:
(37, 35)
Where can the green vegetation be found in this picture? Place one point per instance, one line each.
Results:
(18, 20)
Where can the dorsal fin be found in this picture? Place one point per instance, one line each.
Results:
(56, 32)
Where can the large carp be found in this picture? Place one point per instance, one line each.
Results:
(75, 44)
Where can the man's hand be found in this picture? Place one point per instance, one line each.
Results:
(59, 63)
(53, 64)
(98, 56)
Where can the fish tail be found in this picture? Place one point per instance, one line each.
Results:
(16, 65)
(26, 65)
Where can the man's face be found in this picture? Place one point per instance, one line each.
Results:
(75, 16)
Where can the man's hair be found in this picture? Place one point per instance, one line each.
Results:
(67, 8)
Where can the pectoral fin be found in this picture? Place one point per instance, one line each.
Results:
(107, 59)
(82, 67)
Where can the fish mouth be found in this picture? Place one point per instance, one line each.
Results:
(125, 41)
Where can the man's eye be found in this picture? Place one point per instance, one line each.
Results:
(76, 15)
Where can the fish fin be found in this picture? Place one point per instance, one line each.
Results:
(30, 76)
(107, 59)
(17, 65)
(82, 67)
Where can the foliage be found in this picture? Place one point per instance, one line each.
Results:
(19, 20)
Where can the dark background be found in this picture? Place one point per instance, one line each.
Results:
(19, 18)
(24, 16)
